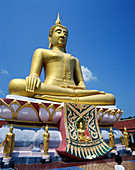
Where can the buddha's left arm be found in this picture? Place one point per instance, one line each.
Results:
(78, 76)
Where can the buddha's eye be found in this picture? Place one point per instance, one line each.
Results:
(65, 33)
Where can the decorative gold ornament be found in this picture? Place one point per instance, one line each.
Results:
(3, 103)
(13, 111)
(9, 143)
(64, 81)
(46, 137)
(81, 125)
(27, 105)
(112, 114)
(51, 107)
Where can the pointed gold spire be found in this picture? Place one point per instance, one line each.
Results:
(58, 20)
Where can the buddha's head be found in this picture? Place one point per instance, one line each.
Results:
(58, 35)
(111, 129)
(11, 128)
(81, 125)
(125, 129)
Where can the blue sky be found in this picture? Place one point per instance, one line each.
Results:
(101, 36)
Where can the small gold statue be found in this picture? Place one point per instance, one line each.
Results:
(111, 139)
(126, 138)
(46, 137)
(121, 140)
(9, 143)
(63, 81)
(82, 135)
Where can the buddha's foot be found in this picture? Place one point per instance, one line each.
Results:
(99, 99)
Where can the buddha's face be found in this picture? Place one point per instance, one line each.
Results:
(46, 129)
(111, 130)
(81, 125)
(59, 37)
(11, 129)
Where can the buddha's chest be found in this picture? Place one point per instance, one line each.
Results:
(81, 133)
(9, 137)
(62, 63)
(46, 136)
(62, 58)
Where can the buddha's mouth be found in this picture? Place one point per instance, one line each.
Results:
(61, 39)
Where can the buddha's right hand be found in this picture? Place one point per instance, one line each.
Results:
(32, 82)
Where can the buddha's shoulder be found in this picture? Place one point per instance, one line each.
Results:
(43, 50)
(75, 58)
(72, 56)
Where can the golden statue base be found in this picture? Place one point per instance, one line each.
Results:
(25, 111)
(6, 159)
(28, 114)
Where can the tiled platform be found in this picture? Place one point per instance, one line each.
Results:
(102, 164)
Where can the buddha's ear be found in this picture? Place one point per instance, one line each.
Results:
(50, 45)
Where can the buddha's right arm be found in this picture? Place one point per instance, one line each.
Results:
(33, 80)
(78, 76)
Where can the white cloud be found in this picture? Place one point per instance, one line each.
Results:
(5, 72)
(2, 93)
(87, 74)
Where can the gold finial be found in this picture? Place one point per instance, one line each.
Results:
(58, 20)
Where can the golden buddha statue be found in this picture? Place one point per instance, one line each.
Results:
(9, 143)
(63, 76)
(126, 137)
(82, 135)
(46, 137)
(111, 139)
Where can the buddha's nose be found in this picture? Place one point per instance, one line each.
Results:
(62, 36)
